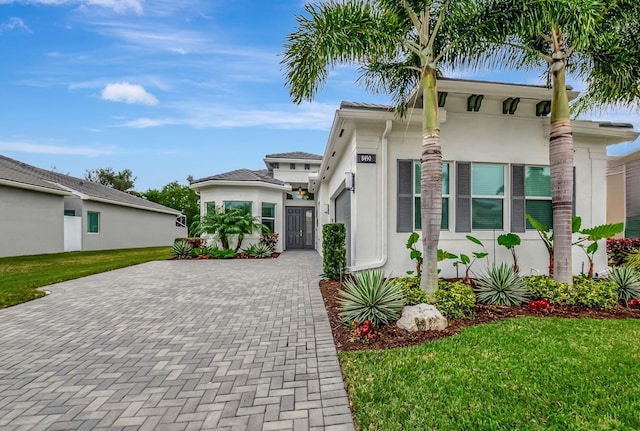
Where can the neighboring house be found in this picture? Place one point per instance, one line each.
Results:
(277, 196)
(495, 148)
(623, 192)
(48, 212)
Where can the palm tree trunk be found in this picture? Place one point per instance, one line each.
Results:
(430, 181)
(561, 161)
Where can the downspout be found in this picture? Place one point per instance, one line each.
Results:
(385, 207)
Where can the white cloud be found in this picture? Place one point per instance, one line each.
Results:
(27, 147)
(13, 24)
(314, 116)
(119, 6)
(128, 93)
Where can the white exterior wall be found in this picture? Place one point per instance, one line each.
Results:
(256, 195)
(125, 227)
(470, 137)
(30, 222)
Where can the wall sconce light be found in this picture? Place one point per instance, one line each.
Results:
(326, 208)
(442, 98)
(350, 181)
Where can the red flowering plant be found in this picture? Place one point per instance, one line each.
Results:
(541, 305)
(634, 303)
(362, 331)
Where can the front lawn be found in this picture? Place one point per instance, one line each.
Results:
(20, 276)
(523, 373)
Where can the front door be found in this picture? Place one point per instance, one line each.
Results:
(299, 229)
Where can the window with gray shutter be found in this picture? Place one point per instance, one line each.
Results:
(463, 197)
(517, 198)
(405, 196)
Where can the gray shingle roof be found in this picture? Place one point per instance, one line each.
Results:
(294, 155)
(243, 175)
(19, 172)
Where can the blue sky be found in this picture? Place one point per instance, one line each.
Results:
(166, 88)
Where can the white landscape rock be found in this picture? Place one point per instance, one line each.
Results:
(422, 317)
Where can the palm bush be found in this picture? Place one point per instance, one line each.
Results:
(181, 250)
(501, 285)
(261, 251)
(633, 260)
(370, 295)
(627, 280)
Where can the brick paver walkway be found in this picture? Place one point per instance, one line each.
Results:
(176, 345)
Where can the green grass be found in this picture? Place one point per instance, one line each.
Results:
(524, 374)
(20, 276)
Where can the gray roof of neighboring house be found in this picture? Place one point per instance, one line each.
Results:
(294, 155)
(243, 175)
(15, 171)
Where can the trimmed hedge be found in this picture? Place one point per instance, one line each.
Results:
(334, 252)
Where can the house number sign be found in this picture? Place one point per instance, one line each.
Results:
(366, 158)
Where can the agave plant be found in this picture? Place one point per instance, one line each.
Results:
(501, 285)
(370, 295)
(181, 250)
(261, 250)
(628, 281)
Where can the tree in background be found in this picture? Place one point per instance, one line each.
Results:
(179, 197)
(122, 180)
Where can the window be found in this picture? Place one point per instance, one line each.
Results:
(408, 200)
(417, 215)
(487, 196)
(93, 222)
(210, 207)
(269, 215)
(244, 206)
(537, 191)
(274, 165)
(307, 166)
(292, 166)
(70, 212)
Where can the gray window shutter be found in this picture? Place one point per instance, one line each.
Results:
(517, 199)
(405, 196)
(463, 197)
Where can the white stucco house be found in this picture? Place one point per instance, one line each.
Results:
(495, 139)
(47, 212)
(277, 195)
(495, 146)
(623, 192)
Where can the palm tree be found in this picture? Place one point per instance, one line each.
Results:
(398, 45)
(564, 36)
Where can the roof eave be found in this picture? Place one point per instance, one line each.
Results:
(33, 187)
(210, 183)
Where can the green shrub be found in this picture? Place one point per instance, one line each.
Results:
(261, 251)
(222, 253)
(369, 295)
(595, 294)
(633, 260)
(627, 280)
(410, 287)
(334, 253)
(270, 240)
(199, 251)
(181, 249)
(584, 291)
(455, 300)
(501, 285)
(249, 250)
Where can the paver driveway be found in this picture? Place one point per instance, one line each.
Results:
(176, 345)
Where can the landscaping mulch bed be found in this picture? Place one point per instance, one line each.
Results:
(392, 336)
